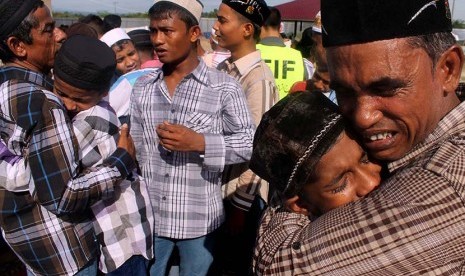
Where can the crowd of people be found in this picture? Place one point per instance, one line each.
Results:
(121, 151)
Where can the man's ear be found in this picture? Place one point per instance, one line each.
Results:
(16, 46)
(297, 205)
(248, 29)
(449, 68)
(195, 33)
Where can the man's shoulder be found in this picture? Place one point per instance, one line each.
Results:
(145, 77)
(22, 89)
(278, 48)
(260, 72)
(217, 78)
(449, 159)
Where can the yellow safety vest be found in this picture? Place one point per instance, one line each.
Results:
(286, 64)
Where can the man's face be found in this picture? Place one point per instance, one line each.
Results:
(320, 81)
(46, 41)
(344, 174)
(76, 99)
(228, 28)
(127, 58)
(388, 90)
(171, 39)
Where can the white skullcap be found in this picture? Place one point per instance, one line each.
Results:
(113, 36)
(194, 7)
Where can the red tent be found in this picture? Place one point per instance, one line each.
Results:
(299, 10)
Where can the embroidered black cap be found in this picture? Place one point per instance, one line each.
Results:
(292, 137)
(13, 12)
(359, 21)
(89, 69)
(256, 11)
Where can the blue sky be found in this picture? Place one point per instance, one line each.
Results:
(128, 6)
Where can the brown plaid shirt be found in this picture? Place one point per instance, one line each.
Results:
(414, 223)
(460, 91)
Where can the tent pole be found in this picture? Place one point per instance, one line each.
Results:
(295, 29)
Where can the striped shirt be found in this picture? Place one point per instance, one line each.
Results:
(35, 126)
(261, 93)
(123, 224)
(212, 59)
(120, 91)
(185, 186)
(413, 224)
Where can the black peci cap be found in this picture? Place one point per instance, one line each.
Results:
(359, 21)
(85, 62)
(256, 11)
(292, 137)
(13, 12)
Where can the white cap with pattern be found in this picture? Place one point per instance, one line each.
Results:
(113, 36)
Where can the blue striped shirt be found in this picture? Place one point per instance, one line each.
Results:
(184, 187)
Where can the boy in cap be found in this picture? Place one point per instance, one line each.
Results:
(48, 227)
(188, 121)
(127, 58)
(122, 220)
(147, 55)
(127, 71)
(322, 167)
(395, 67)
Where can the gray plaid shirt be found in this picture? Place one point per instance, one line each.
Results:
(414, 223)
(184, 187)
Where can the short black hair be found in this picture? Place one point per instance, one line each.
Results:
(111, 21)
(95, 21)
(256, 29)
(274, 20)
(434, 44)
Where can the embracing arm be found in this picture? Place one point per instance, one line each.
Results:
(402, 228)
(53, 157)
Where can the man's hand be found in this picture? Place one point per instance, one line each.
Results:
(125, 141)
(180, 138)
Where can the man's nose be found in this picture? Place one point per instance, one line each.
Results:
(69, 104)
(365, 113)
(60, 35)
(369, 179)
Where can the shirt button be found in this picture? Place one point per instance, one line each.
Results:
(164, 198)
(172, 110)
(199, 122)
(296, 245)
(167, 175)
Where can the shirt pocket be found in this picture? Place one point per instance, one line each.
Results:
(200, 122)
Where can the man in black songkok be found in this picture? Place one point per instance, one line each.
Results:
(394, 66)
